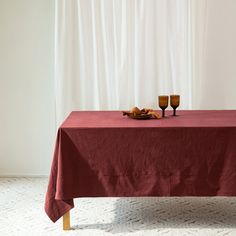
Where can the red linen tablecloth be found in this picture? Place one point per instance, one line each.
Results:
(102, 153)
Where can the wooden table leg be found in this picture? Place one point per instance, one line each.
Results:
(66, 221)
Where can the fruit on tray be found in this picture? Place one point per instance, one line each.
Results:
(136, 112)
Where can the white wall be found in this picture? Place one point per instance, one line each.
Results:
(27, 129)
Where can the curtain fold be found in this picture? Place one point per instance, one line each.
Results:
(114, 55)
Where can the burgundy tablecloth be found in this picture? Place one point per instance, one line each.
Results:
(105, 154)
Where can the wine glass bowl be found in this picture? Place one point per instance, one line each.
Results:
(163, 103)
(174, 102)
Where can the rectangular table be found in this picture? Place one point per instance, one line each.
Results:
(102, 153)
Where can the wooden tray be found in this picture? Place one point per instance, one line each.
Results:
(142, 116)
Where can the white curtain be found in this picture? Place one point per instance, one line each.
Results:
(116, 54)
(214, 54)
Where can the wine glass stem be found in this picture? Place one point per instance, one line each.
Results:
(174, 113)
(163, 112)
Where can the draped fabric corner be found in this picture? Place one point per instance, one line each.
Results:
(113, 54)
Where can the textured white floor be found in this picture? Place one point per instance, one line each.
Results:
(22, 213)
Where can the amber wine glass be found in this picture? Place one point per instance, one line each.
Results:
(174, 102)
(163, 103)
